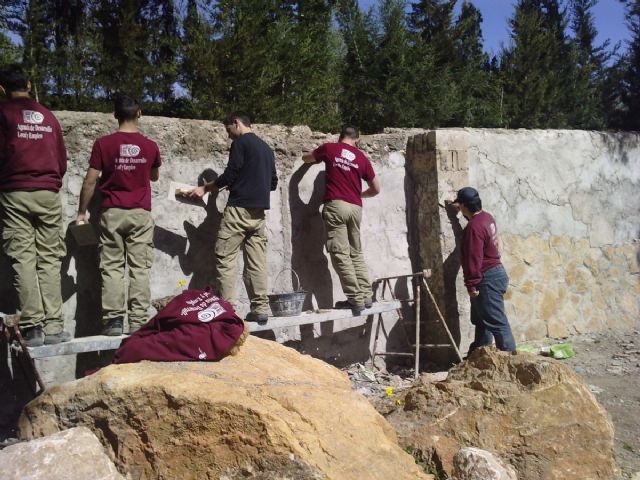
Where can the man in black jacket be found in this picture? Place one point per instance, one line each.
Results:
(250, 176)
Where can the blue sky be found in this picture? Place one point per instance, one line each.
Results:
(609, 20)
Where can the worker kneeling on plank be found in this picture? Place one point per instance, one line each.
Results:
(33, 160)
(346, 168)
(125, 162)
(484, 276)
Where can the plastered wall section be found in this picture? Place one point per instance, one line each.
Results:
(567, 204)
(184, 235)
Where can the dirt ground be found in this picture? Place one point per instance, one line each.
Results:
(608, 362)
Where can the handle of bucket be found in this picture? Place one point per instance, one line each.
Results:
(297, 289)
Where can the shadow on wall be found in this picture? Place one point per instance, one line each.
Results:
(199, 259)
(620, 144)
(308, 258)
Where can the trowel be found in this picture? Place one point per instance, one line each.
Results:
(178, 191)
(83, 234)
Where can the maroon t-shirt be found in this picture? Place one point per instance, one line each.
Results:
(479, 251)
(32, 152)
(125, 160)
(346, 167)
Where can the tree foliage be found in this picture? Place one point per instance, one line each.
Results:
(402, 63)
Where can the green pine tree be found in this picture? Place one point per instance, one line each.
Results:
(536, 68)
(631, 69)
(360, 98)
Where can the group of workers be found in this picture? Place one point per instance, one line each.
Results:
(33, 161)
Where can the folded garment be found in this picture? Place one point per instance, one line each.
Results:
(195, 325)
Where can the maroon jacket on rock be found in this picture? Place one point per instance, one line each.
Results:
(32, 152)
(195, 325)
(479, 250)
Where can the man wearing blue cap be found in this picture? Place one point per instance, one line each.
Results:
(484, 276)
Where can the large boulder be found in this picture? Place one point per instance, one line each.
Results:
(533, 412)
(476, 464)
(74, 454)
(267, 412)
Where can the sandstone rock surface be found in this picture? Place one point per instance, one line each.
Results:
(476, 464)
(267, 412)
(537, 414)
(74, 454)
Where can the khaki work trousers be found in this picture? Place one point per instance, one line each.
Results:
(32, 238)
(342, 225)
(126, 237)
(243, 227)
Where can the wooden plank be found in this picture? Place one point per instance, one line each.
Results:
(78, 345)
(324, 316)
(102, 342)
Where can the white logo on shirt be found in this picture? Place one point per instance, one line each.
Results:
(31, 116)
(129, 150)
(202, 355)
(347, 154)
(212, 311)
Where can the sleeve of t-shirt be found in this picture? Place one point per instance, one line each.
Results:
(62, 152)
(474, 248)
(274, 174)
(236, 161)
(95, 161)
(157, 161)
(320, 153)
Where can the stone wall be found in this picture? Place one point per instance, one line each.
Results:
(568, 206)
(568, 209)
(566, 203)
(184, 235)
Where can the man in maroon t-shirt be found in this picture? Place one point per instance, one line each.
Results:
(346, 168)
(33, 160)
(484, 276)
(125, 162)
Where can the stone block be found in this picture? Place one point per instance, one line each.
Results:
(74, 454)
(476, 464)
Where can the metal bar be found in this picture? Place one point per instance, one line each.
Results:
(416, 372)
(397, 354)
(444, 324)
(433, 345)
(426, 272)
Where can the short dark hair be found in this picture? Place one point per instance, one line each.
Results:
(348, 131)
(125, 107)
(242, 116)
(474, 206)
(13, 78)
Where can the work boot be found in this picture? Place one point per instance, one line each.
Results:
(33, 337)
(260, 318)
(57, 338)
(113, 328)
(368, 303)
(356, 309)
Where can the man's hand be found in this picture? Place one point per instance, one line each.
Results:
(82, 218)
(197, 193)
(474, 293)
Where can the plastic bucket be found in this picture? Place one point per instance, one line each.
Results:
(287, 304)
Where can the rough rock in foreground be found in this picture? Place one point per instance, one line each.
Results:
(533, 412)
(476, 464)
(268, 412)
(74, 454)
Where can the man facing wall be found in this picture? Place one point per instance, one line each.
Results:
(346, 168)
(250, 176)
(33, 160)
(125, 162)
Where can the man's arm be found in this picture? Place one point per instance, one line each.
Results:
(472, 265)
(154, 175)
(274, 174)
(373, 190)
(307, 157)
(88, 187)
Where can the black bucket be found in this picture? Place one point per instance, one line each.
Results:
(287, 304)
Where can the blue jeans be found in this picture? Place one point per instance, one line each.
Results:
(487, 312)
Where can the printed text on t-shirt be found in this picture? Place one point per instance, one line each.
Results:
(346, 160)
